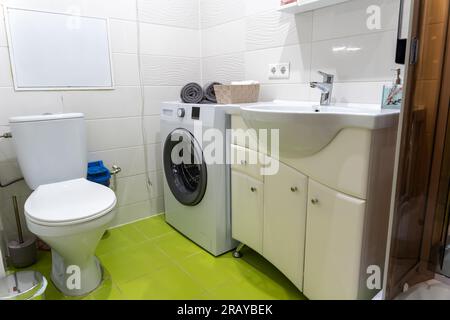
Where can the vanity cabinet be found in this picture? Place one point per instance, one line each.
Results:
(269, 212)
(247, 206)
(285, 196)
(334, 239)
(247, 194)
(322, 219)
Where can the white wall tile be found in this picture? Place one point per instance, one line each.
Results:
(299, 57)
(224, 69)
(274, 29)
(372, 57)
(3, 40)
(130, 160)
(6, 147)
(215, 12)
(120, 9)
(169, 41)
(179, 13)
(60, 6)
(240, 39)
(121, 102)
(350, 18)
(14, 103)
(138, 211)
(114, 123)
(9, 168)
(256, 6)
(223, 39)
(271, 38)
(358, 92)
(293, 92)
(126, 69)
(5, 67)
(170, 71)
(304, 24)
(155, 95)
(152, 129)
(131, 189)
(108, 134)
(154, 157)
(157, 184)
(157, 205)
(123, 36)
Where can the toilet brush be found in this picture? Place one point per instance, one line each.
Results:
(22, 253)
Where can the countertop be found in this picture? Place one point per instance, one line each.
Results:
(231, 109)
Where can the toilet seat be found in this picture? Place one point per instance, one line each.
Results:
(69, 202)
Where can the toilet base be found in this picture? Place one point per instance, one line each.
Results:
(76, 278)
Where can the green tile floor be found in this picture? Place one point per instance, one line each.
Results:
(150, 260)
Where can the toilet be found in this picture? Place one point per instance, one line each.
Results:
(65, 210)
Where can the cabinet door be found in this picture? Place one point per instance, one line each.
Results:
(334, 234)
(247, 196)
(285, 196)
(247, 162)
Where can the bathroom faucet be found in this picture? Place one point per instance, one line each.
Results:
(326, 87)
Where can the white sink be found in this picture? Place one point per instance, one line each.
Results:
(306, 128)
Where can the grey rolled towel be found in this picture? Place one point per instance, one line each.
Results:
(209, 92)
(192, 93)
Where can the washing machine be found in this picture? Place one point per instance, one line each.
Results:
(197, 188)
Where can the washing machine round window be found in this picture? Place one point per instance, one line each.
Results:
(184, 167)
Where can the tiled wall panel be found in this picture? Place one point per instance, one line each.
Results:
(171, 56)
(335, 39)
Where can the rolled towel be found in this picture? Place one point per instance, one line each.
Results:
(192, 93)
(209, 92)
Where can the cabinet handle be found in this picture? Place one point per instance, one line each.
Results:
(294, 189)
(315, 201)
(253, 189)
(243, 162)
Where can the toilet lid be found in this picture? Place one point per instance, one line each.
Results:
(69, 202)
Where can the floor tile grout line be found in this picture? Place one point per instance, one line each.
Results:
(173, 262)
(178, 264)
(151, 241)
(119, 284)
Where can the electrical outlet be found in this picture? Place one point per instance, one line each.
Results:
(279, 71)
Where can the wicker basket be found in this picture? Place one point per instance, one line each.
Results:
(232, 94)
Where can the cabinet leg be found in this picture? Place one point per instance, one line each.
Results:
(237, 253)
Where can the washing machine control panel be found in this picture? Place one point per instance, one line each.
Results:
(188, 114)
(181, 112)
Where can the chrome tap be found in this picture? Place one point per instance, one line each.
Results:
(326, 87)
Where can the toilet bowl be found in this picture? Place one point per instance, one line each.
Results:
(65, 210)
(71, 217)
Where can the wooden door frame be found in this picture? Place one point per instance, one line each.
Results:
(434, 217)
(391, 289)
(421, 271)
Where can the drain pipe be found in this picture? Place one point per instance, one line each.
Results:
(114, 172)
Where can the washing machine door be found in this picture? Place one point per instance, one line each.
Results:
(184, 167)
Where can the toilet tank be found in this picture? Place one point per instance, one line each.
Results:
(50, 148)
